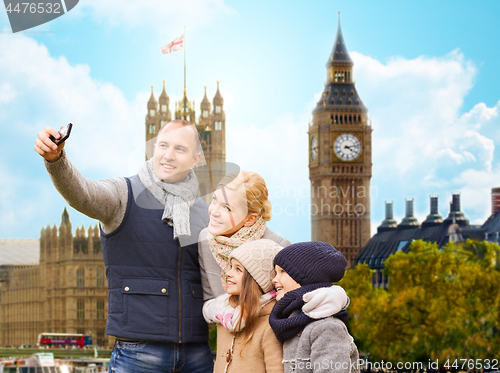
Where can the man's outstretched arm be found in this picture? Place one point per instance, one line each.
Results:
(104, 200)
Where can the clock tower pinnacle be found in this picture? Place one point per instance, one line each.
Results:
(340, 159)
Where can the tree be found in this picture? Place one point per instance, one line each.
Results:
(440, 304)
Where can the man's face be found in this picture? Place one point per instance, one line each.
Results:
(174, 153)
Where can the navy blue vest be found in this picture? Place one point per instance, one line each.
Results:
(154, 284)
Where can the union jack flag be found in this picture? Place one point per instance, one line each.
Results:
(176, 45)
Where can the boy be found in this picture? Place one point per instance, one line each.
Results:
(311, 345)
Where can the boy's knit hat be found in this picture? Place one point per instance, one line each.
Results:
(257, 258)
(312, 262)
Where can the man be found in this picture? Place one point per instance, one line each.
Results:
(155, 294)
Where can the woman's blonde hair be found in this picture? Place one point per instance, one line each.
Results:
(252, 188)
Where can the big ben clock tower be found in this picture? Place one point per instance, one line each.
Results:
(340, 159)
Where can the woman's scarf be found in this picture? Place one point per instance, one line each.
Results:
(286, 326)
(222, 246)
(176, 197)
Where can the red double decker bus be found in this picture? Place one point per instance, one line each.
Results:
(64, 339)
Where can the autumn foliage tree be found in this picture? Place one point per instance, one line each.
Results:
(441, 303)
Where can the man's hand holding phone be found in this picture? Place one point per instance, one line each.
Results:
(50, 142)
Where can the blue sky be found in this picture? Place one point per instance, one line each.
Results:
(427, 71)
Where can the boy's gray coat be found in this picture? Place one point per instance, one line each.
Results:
(323, 346)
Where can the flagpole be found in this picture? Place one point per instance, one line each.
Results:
(185, 109)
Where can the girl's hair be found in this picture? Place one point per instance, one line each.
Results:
(249, 302)
(252, 188)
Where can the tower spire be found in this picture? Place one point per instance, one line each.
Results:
(339, 53)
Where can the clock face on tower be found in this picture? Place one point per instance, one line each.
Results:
(347, 147)
(314, 148)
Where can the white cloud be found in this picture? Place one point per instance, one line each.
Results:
(106, 125)
(414, 105)
(7, 93)
(422, 143)
(50, 93)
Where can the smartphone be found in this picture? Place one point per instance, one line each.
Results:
(64, 132)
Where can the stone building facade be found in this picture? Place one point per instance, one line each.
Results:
(66, 292)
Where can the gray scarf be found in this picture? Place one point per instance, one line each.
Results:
(177, 197)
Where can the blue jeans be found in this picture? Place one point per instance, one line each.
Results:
(158, 357)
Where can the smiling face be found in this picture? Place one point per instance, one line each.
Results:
(235, 278)
(174, 153)
(228, 213)
(283, 282)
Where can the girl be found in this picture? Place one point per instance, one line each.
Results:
(245, 341)
(310, 345)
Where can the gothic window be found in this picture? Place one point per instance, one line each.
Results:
(101, 341)
(100, 277)
(217, 109)
(80, 245)
(205, 113)
(80, 277)
(218, 126)
(340, 102)
(151, 113)
(80, 309)
(152, 129)
(343, 93)
(349, 102)
(163, 108)
(96, 242)
(336, 93)
(357, 101)
(352, 92)
(100, 309)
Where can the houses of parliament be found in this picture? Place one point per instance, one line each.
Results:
(57, 283)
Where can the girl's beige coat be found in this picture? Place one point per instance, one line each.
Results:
(262, 354)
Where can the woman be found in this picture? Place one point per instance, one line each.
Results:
(238, 213)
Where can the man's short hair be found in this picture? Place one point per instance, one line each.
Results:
(185, 123)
